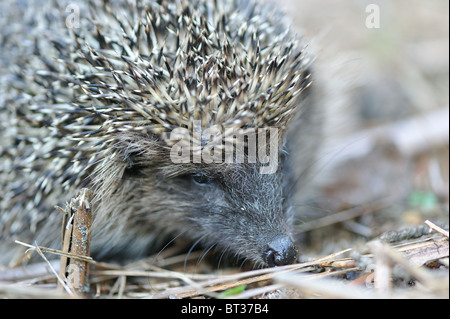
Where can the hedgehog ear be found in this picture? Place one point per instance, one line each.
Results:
(140, 150)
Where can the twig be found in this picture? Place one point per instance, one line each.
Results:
(13, 291)
(410, 137)
(343, 216)
(60, 280)
(327, 288)
(66, 235)
(81, 239)
(425, 251)
(383, 266)
(390, 255)
(230, 281)
(437, 228)
(30, 271)
(151, 274)
(256, 291)
(57, 252)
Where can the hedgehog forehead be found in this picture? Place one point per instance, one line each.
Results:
(221, 171)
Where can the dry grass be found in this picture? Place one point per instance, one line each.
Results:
(414, 269)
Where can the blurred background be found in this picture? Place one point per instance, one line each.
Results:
(403, 65)
(397, 89)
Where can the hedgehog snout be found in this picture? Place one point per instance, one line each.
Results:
(280, 251)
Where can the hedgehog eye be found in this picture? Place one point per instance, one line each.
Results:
(201, 179)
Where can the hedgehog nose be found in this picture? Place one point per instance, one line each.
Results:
(280, 251)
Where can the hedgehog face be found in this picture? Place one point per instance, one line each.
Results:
(232, 208)
(243, 213)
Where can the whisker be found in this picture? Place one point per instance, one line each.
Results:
(191, 249)
(220, 258)
(203, 255)
(243, 262)
(165, 246)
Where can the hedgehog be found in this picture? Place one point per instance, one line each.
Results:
(91, 94)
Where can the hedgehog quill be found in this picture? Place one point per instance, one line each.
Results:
(92, 96)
